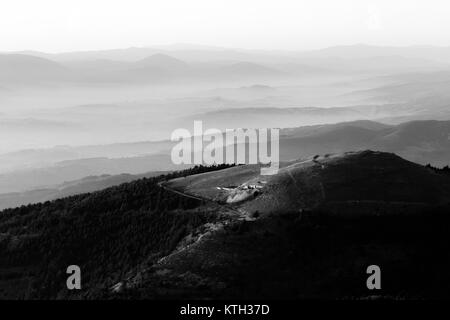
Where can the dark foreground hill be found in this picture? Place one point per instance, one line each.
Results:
(197, 237)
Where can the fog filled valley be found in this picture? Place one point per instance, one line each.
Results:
(69, 116)
(87, 174)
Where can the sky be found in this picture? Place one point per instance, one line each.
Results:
(71, 25)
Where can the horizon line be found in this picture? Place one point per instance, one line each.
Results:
(173, 47)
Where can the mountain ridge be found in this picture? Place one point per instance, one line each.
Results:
(152, 243)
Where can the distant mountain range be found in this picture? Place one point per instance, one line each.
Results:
(159, 65)
(156, 69)
(198, 53)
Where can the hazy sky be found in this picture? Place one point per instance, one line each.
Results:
(66, 25)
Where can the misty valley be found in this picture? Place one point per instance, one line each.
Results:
(194, 172)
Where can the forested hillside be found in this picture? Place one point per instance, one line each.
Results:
(106, 233)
